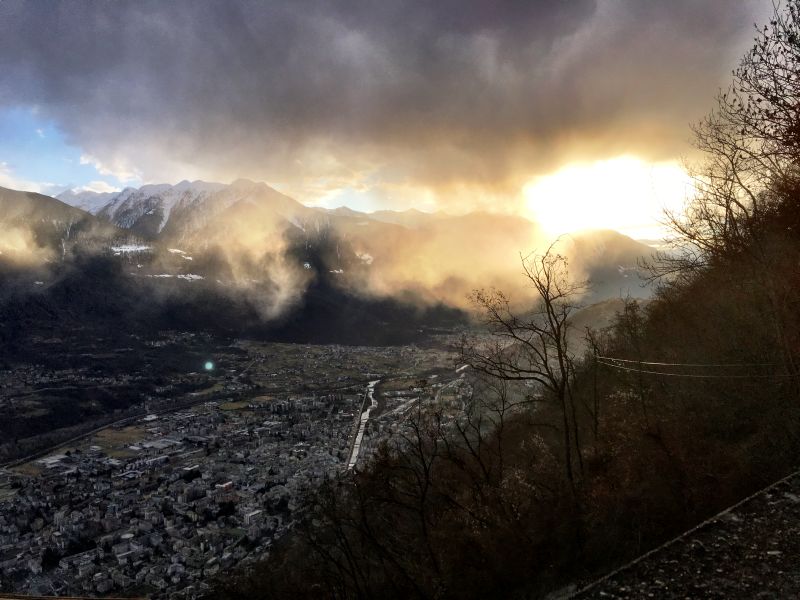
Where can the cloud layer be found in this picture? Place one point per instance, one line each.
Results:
(458, 102)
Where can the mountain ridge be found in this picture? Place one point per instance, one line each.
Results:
(408, 249)
(246, 257)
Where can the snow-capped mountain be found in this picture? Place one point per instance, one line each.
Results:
(197, 251)
(247, 229)
(166, 210)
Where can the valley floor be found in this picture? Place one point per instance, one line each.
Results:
(195, 483)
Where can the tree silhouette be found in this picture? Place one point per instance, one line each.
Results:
(535, 346)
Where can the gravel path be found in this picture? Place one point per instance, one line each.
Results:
(751, 550)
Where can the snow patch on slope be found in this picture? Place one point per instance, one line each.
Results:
(130, 249)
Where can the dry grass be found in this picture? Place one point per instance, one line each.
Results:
(111, 438)
(30, 469)
(399, 384)
(238, 405)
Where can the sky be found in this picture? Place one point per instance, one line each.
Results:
(573, 113)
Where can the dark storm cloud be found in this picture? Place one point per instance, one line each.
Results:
(441, 94)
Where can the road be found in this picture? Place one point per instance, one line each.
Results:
(362, 425)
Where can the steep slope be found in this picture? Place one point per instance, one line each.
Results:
(35, 228)
(16, 206)
(147, 210)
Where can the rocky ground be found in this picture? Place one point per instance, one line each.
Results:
(749, 551)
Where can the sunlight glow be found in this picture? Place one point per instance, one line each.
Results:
(623, 193)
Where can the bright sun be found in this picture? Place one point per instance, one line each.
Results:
(623, 193)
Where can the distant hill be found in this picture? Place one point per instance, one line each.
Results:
(610, 262)
(412, 218)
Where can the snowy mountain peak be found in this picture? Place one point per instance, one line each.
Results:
(185, 206)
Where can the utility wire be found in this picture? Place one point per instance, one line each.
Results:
(666, 364)
(691, 375)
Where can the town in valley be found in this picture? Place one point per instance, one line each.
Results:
(207, 468)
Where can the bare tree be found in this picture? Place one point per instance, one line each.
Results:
(744, 207)
(534, 347)
(751, 146)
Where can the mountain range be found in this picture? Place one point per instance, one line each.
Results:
(414, 249)
(244, 257)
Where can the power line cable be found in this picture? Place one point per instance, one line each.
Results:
(692, 375)
(666, 364)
